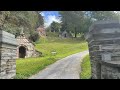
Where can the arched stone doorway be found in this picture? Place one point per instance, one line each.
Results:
(22, 52)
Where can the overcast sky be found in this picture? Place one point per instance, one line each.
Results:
(50, 16)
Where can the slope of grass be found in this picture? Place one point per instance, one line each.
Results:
(62, 47)
(30, 66)
(86, 68)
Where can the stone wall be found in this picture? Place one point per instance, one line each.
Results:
(104, 48)
(7, 55)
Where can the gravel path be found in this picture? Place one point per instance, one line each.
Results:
(66, 68)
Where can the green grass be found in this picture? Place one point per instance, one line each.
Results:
(30, 66)
(64, 47)
(86, 68)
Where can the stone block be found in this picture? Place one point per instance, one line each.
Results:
(106, 57)
(104, 48)
(8, 47)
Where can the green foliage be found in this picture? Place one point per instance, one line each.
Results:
(104, 15)
(86, 68)
(14, 21)
(63, 47)
(34, 37)
(72, 21)
(48, 29)
(55, 26)
(80, 21)
(3, 16)
(51, 34)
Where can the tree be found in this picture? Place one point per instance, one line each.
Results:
(72, 21)
(34, 37)
(104, 15)
(80, 21)
(48, 29)
(55, 26)
(13, 21)
(92, 16)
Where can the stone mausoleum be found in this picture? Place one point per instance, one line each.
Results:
(65, 34)
(12, 48)
(25, 47)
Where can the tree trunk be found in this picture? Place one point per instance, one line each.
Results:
(75, 33)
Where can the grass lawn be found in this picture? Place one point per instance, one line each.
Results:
(86, 68)
(64, 47)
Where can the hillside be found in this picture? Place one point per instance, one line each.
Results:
(14, 21)
(63, 47)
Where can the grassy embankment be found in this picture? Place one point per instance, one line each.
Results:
(63, 47)
(85, 68)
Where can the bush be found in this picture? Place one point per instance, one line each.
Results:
(34, 37)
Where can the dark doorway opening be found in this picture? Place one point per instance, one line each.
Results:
(65, 35)
(22, 52)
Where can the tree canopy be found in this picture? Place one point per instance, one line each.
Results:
(14, 21)
(55, 26)
(80, 21)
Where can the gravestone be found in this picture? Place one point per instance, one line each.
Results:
(104, 49)
(8, 46)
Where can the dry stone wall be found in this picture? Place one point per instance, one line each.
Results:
(104, 48)
(8, 46)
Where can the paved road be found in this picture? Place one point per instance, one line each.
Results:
(66, 68)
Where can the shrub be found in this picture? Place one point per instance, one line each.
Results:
(34, 37)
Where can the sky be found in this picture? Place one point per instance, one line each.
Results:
(50, 16)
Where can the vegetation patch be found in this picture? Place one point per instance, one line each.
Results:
(64, 47)
(30, 66)
(85, 68)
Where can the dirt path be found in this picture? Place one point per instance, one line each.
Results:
(66, 68)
